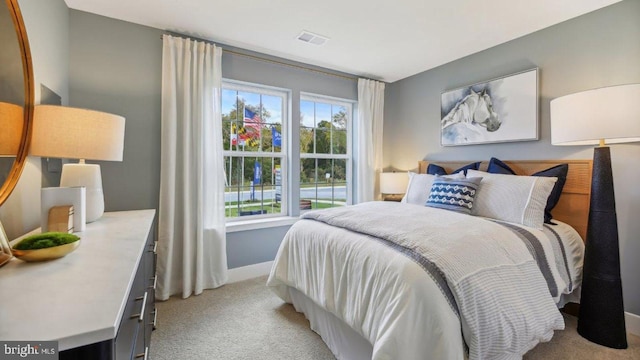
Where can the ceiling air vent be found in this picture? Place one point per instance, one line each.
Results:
(312, 38)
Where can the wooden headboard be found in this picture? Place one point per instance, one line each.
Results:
(573, 207)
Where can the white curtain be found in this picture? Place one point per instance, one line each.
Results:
(191, 231)
(369, 153)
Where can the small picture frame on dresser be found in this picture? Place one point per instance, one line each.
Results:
(5, 249)
(63, 196)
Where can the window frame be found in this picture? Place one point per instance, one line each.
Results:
(348, 157)
(283, 154)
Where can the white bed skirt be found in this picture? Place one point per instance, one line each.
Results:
(343, 341)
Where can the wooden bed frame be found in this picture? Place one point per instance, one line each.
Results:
(573, 207)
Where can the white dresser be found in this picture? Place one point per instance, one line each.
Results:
(97, 302)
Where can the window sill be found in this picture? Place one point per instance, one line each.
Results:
(244, 225)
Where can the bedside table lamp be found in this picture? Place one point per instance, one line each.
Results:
(602, 116)
(393, 184)
(72, 133)
(12, 121)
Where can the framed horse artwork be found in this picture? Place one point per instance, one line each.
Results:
(499, 110)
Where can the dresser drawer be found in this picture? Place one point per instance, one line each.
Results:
(152, 280)
(139, 349)
(134, 316)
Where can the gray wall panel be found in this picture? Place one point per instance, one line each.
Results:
(253, 246)
(595, 50)
(116, 67)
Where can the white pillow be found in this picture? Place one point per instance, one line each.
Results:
(516, 199)
(419, 187)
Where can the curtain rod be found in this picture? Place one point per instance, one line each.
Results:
(259, 58)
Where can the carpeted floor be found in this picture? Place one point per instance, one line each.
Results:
(247, 321)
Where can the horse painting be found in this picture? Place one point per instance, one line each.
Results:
(470, 119)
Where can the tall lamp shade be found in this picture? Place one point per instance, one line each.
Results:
(602, 116)
(11, 123)
(611, 114)
(72, 133)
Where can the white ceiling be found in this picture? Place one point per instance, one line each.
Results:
(380, 39)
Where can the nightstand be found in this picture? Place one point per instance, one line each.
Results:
(393, 197)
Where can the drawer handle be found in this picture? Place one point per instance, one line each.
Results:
(155, 281)
(155, 247)
(143, 355)
(155, 318)
(140, 316)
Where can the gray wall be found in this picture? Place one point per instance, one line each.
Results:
(47, 24)
(253, 246)
(595, 50)
(116, 67)
(256, 246)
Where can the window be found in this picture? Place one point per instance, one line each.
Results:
(325, 148)
(253, 120)
(257, 152)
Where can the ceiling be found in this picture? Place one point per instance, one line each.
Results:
(379, 39)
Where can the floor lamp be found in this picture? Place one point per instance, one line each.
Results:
(602, 116)
(72, 133)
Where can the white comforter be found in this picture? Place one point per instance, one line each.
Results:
(393, 302)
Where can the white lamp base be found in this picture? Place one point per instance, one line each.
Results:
(89, 176)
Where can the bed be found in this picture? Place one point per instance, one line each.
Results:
(386, 280)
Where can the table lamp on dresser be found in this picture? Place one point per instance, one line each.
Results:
(72, 133)
(608, 115)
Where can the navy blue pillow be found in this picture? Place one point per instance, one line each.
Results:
(434, 169)
(498, 167)
(559, 171)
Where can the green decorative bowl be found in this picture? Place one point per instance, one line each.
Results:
(58, 245)
(46, 253)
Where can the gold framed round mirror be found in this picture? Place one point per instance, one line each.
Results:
(16, 97)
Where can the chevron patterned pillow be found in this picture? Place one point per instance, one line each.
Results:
(456, 195)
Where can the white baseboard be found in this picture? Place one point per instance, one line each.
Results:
(633, 323)
(249, 272)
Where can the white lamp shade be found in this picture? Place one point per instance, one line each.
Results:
(11, 123)
(72, 133)
(611, 114)
(394, 183)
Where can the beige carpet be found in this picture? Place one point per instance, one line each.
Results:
(246, 321)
